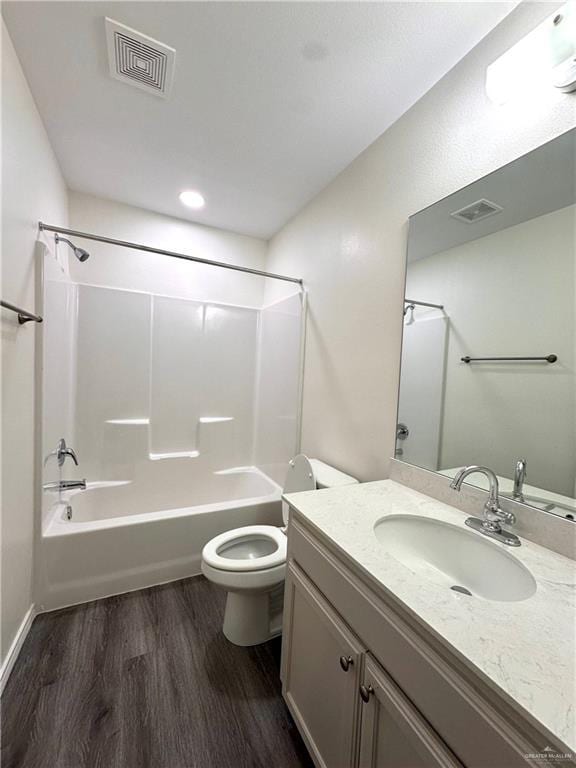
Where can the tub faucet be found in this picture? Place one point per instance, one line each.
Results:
(519, 478)
(490, 525)
(65, 485)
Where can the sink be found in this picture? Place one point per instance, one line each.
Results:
(455, 558)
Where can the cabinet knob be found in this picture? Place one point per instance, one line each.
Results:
(346, 662)
(365, 692)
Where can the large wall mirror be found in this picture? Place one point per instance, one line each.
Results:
(489, 340)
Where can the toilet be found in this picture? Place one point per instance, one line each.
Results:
(250, 562)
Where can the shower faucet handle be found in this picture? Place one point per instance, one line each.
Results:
(70, 452)
(61, 452)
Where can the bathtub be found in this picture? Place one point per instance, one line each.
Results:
(126, 535)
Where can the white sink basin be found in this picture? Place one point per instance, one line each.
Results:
(455, 557)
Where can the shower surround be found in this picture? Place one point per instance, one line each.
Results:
(183, 414)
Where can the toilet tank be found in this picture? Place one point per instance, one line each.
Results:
(328, 477)
(305, 474)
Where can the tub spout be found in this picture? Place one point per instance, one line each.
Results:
(65, 485)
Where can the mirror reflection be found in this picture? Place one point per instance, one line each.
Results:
(489, 339)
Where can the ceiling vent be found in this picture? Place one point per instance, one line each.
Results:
(477, 211)
(139, 60)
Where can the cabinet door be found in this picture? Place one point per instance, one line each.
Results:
(321, 672)
(393, 734)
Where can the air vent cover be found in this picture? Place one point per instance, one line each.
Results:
(477, 211)
(139, 60)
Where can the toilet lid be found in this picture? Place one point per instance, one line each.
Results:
(300, 477)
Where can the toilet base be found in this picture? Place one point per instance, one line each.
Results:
(254, 602)
(252, 618)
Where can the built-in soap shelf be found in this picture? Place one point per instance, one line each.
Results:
(129, 422)
(146, 422)
(215, 419)
(160, 456)
(234, 471)
(174, 455)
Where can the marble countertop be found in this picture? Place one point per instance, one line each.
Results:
(526, 648)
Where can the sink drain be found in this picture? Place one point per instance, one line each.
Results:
(463, 590)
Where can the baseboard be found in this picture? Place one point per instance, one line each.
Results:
(16, 646)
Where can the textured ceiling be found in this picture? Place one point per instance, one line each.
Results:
(270, 100)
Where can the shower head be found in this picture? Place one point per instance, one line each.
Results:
(80, 253)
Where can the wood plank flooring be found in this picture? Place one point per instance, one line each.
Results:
(146, 680)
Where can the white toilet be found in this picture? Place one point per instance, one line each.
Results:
(250, 562)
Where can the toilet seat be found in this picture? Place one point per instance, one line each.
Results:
(251, 548)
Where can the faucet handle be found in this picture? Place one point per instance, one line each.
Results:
(70, 452)
(62, 451)
(507, 517)
(494, 513)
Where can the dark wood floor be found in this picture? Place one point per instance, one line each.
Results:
(146, 680)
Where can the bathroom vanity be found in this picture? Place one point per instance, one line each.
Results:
(384, 664)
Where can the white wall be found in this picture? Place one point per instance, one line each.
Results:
(33, 189)
(349, 243)
(136, 270)
(509, 293)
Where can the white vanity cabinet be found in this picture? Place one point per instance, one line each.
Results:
(349, 711)
(393, 734)
(322, 674)
(369, 687)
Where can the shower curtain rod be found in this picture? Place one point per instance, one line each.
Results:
(148, 249)
(423, 304)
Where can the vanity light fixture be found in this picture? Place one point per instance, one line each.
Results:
(544, 59)
(192, 199)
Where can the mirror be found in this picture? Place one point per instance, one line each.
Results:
(489, 341)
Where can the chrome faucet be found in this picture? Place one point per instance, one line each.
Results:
(65, 485)
(519, 478)
(493, 514)
(61, 452)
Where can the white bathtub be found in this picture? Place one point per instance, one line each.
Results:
(130, 535)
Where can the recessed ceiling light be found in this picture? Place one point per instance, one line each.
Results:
(192, 199)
